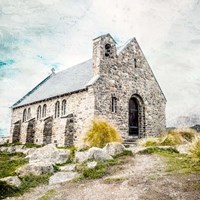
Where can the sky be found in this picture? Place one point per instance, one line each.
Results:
(38, 35)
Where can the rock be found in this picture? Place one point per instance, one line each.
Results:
(183, 149)
(81, 156)
(3, 148)
(98, 154)
(11, 149)
(91, 165)
(12, 180)
(69, 167)
(50, 154)
(37, 168)
(61, 177)
(137, 149)
(114, 148)
(81, 147)
(20, 148)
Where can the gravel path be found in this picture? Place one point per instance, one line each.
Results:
(143, 177)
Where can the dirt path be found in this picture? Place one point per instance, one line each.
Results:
(142, 178)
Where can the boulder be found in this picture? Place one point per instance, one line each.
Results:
(81, 156)
(61, 177)
(37, 168)
(91, 165)
(183, 149)
(98, 154)
(3, 148)
(69, 167)
(50, 154)
(11, 149)
(12, 180)
(114, 148)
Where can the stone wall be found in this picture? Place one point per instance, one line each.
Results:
(123, 75)
(80, 104)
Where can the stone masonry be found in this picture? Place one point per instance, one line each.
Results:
(123, 90)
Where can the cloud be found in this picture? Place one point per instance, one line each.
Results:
(41, 34)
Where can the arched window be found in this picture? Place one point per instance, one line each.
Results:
(29, 113)
(63, 107)
(114, 104)
(107, 50)
(57, 109)
(135, 62)
(24, 115)
(39, 112)
(44, 110)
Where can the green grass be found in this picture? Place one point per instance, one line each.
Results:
(27, 145)
(28, 182)
(103, 168)
(70, 159)
(9, 162)
(48, 195)
(124, 153)
(31, 145)
(180, 163)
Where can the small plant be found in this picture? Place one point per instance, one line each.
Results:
(195, 148)
(48, 194)
(28, 182)
(124, 153)
(31, 145)
(151, 150)
(101, 133)
(7, 190)
(149, 141)
(115, 179)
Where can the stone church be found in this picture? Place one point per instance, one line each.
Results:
(117, 84)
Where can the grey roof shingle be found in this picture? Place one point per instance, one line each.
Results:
(72, 79)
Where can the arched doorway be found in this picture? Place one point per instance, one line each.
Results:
(133, 117)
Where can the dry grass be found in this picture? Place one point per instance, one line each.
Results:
(149, 141)
(101, 133)
(170, 138)
(195, 147)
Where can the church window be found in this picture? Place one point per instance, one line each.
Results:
(107, 50)
(44, 110)
(114, 104)
(29, 113)
(64, 107)
(24, 115)
(135, 62)
(57, 109)
(39, 112)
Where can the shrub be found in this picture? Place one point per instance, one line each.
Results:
(177, 137)
(195, 147)
(101, 133)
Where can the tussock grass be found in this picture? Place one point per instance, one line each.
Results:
(195, 147)
(101, 133)
(170, 138)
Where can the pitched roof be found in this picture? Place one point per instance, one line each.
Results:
(70, 80)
